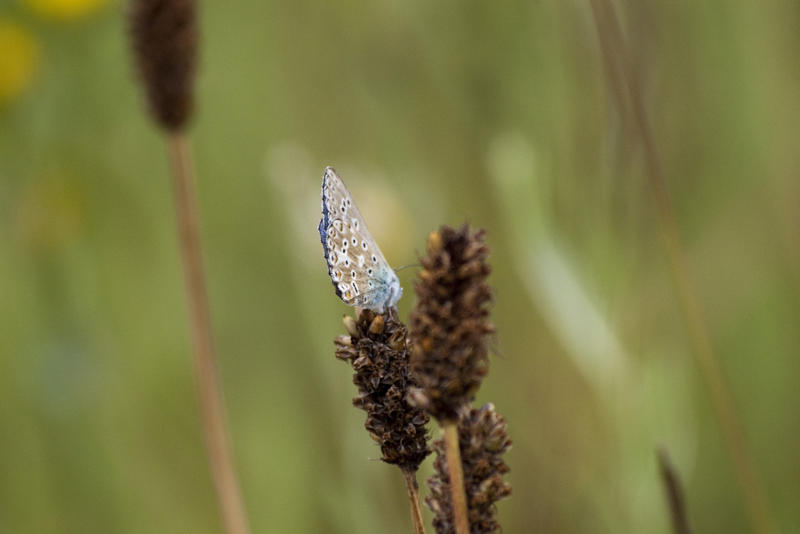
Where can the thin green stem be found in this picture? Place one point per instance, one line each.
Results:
(615, 52)
(410, 478)
(674, 493)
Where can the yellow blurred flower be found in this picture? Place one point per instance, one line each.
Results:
(65, 9)
(19, 54)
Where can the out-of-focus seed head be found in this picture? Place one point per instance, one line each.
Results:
(164, 35)
(377, 350)
(450, 323)
(483, 441)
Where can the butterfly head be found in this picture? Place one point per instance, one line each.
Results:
(393, 293)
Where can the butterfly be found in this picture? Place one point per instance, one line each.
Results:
(359, 272)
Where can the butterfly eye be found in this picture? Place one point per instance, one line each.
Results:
(352, 274)
(364, 245)
(347, 263)
(369, 271)
(374, 259)
(354, 241)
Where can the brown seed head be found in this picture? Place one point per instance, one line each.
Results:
(450, 323)
(483, 440)
(376, 348)
(164, 35)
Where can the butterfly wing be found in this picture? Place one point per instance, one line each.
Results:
(358, 270)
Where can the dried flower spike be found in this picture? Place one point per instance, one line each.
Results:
(674, 493)
(376, 348)
(450, 324)
(164, 34)
(483, 441)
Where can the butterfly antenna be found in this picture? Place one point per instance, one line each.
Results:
(408, 265)
(494, 347)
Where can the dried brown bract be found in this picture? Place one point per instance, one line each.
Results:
(483, 441)
(377, 350)
(450, 324)
(164, 35)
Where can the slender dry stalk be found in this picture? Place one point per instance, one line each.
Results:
(482, 444)
(456, 474)
(410, 478)
(208, 387)
(615, 52)
(164, 38)
(674, 494)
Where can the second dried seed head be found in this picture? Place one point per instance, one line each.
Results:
(450, 323)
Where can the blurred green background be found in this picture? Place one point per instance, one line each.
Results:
(498, 113)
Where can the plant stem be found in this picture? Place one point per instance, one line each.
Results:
(410, 478)
(456, 474)
(209, 393)
(674, 494)
(614, 49)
